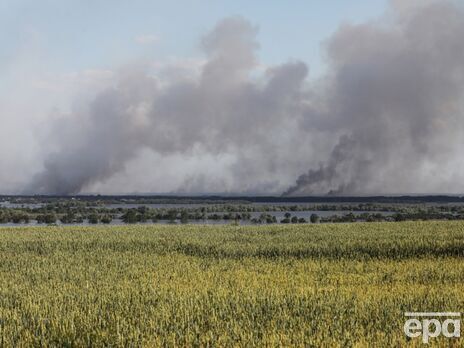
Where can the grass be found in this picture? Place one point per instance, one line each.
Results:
(301, 285)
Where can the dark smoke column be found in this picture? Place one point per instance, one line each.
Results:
(395, 95)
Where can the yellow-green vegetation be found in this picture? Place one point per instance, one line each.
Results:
(301, 285)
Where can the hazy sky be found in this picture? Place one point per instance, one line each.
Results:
(303, 97)
(71, 36)
(55, 51)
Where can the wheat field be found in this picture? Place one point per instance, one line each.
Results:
(329, 285)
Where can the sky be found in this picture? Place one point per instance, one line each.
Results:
(73, 36)
(250, 97)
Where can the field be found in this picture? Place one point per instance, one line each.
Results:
(300, 285)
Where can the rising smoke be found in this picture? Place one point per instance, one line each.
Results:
(395, 91)
(387, 117)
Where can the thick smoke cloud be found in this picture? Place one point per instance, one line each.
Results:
(395, 93)
(387, 117)
(223, 110)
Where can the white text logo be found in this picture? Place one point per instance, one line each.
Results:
(432, 324)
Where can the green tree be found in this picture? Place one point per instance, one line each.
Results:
(94, 218)
(184, 216)
(130, 217)
(106, 219)
(314, 218)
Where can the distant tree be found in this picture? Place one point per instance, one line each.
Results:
(294, 220)
(4, 216)
(142, 209)
(50, 218)
(172, 215)
(314, 218)
(67, 218)
(184, 216)
(214, 217)
(287, 215)
(130, 217)
(142, 217)
(350, 217)
(399, 217)
(106, 219)
(93, 218)
(263, 218)
(19, 217)
(270, 219)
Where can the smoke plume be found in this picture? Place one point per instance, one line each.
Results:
(386, 118)
(395, 91)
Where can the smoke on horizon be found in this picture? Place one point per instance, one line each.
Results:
(387, 117)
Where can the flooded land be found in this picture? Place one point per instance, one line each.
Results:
(216, 210)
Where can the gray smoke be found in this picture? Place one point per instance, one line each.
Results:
(395, 92)
(328, 175)
(223, 110)
(387, 117)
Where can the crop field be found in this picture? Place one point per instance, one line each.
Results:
(332, 285)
